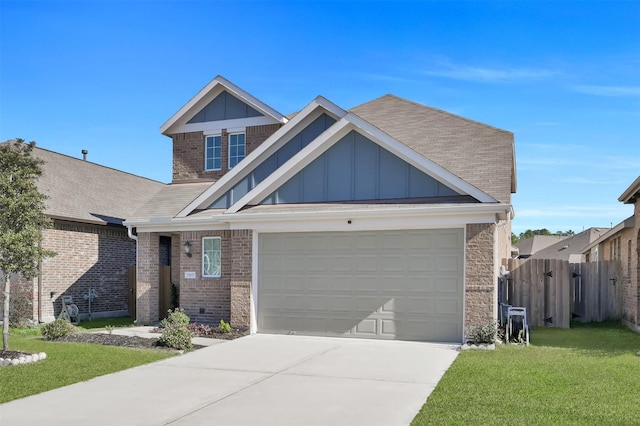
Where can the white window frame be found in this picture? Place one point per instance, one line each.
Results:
(214, 158)
(229, 148)
(204, 274)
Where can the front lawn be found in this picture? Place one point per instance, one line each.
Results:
(103, 322)
(66, 363)
(586, 375)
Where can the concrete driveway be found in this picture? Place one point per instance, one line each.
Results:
(256, 380)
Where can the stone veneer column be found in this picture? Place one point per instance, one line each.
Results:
(147, 290)
(480, 289)
(241, 262)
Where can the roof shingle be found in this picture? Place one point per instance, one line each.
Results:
(479, 154)
(88, 192)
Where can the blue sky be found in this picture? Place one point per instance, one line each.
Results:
(564, 77)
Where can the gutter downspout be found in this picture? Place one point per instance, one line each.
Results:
(40, 286)
(135, 238)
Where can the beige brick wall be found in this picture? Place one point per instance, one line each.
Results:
(629, 290)
(189, 150)
(147, 290)
(88, 257)
(480, 290)
(631, 302)
(241, 273)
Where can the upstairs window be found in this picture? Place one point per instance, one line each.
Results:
(213, 153)
(237, 148)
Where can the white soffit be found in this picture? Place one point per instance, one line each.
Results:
(332, 135)
(208, 93)
(263, 151)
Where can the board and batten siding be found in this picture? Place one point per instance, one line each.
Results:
(357, 169)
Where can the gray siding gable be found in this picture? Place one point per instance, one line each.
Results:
(225, 106)
(274, 161)
(357, 169)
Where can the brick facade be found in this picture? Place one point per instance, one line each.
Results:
(241, 274)
(205, 300)
(147, 286)
(88, 257)
(188, 152)
(480, 288)
(630, 254)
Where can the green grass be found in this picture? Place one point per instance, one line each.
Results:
(586, 375)
(103, 322)
(66, 363)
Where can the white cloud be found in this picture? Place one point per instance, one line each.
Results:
(612, 91)
(488, 75)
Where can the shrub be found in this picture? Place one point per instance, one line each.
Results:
(177, 337)
(57, 329)
(21, 302)
(485, 333)
(224, 327)
(177, 317)
(109, 328)
(202, 330)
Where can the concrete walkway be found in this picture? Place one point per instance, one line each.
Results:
(254, 380)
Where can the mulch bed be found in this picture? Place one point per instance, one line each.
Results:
(133, 341)
(12, 354)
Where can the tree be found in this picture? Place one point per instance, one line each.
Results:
(22, 218)
(544, 231)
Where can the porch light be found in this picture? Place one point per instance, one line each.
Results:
(187, 249)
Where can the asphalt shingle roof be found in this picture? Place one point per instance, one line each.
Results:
(169, 201)
(83, 191)
(479, 154)
(570, 248)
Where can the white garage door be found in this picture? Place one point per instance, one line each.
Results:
(406, 285)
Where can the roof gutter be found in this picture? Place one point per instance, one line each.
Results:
(466, 213)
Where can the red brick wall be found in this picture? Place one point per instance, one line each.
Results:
(188, 152)
(205, 300)
(88, 256)
(147, 286)
(480, 289)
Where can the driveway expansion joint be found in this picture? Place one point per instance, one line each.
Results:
(260, 380)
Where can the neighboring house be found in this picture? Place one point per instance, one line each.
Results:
(87, 204)
(571, 248)
(529, 246)
(387, 221)
(613, 244)
(630, 256)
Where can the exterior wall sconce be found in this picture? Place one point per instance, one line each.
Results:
(187, 249)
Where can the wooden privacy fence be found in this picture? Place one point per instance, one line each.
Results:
(556, 291)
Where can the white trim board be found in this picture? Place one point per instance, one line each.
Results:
(331, 136)
(208, 93)
(312, 111)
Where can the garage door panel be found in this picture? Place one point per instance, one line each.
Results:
(367, 326)
(392, 263)
(340, 264)
(447, 263)
(387, 284)
(365, 264)
(365, 242)
(447, 284)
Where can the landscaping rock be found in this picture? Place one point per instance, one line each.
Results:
(479, 346)
(8, 358)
